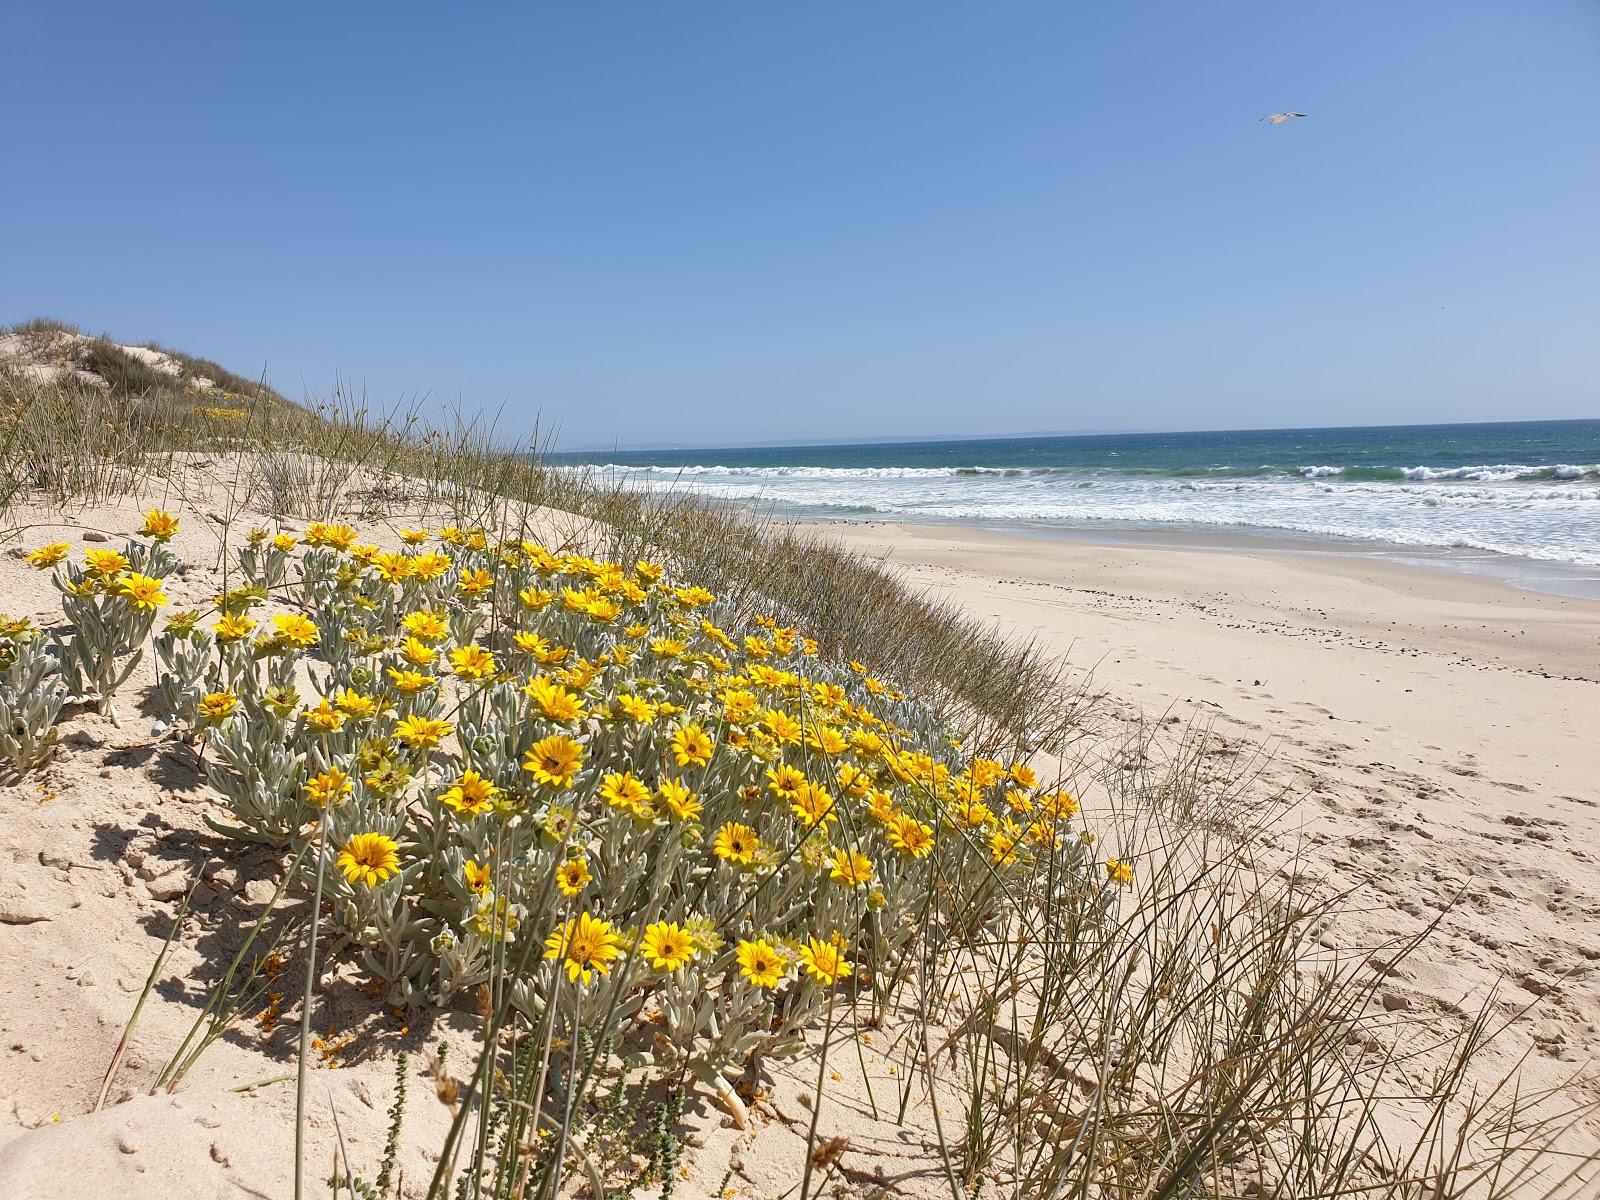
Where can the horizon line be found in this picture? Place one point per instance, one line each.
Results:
(944, 439)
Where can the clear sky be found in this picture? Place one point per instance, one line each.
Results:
(696, 222)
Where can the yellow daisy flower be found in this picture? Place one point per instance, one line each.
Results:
(472, 662)
(666, 946)
(692, 746)
(554, 761)
(762, 963)
(824, 961)
(851, 868)
(369, 858)
(736, 843)
(142, 592)
(329, 787)
(471, 795)
(572, 876)
(421, 733)
(47, 556)
(585, 946)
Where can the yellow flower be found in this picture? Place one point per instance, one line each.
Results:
(48, 556)
(369, 858)
(391, 567)
(692, 746)
(736, 843)
(851, 868)
(812, 806)
(880, 805)
(785, 782)
(218, 706)
(159, 524)
(1023, 776)
(554, 761)
(478, 878)
(554, 700)
(327, 788)
(285, 542)
(716, 635)
(827, 739)
(584, 946)
(296, 630)
(626, 794)
(1119, 872)
(781, 725)
(142, 592)
(474, 583)
(572, 876)
(421, 733)
(866, 743)
(1003, 846)
(974, 814)
(666, 946)
(910, 836)
(1059, 806)
(338, 537)
(413, 537)
(105, 563)
(430, 566)
(418, 654)
(680, 801)
(535, 598)
(824, 961)
(472, 662)
(739, 705)
(409, 683)
(762, 963)
(638, 710)
(355, 705)
(232, 627)
(470, 795)
(324, 718)
(426, 625)
(853, 779)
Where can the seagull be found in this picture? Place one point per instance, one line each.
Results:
(1280, 118)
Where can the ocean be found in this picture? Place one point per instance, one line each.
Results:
(1528, 490)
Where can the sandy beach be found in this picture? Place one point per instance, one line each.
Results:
(1429, 734)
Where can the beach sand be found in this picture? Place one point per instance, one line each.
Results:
(1433, 738)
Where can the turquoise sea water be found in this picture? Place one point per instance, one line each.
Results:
(1529, 490)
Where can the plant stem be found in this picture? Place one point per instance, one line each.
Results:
(305, 1010)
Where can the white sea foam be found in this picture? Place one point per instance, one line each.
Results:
(1541, 512)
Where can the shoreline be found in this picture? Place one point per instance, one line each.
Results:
(1545, 576)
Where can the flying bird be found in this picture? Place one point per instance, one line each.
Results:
(1280, 118)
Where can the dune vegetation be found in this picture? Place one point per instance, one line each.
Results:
(666, 797)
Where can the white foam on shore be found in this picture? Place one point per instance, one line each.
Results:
(1536, 512)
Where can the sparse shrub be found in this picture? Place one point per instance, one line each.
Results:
(112, 599)
(31, 695)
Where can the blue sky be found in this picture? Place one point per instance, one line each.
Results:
(698, 223)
